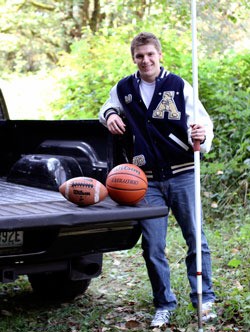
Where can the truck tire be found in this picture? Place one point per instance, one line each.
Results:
(57, 285)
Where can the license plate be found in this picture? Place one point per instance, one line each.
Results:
(11, 239)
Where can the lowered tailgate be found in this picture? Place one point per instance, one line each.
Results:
(41, 224)
(24, 207)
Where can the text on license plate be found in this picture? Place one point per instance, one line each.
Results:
(11, 239)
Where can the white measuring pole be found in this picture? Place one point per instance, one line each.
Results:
(197, 167)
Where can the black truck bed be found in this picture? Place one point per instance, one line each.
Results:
(58, 244)
(19, 204)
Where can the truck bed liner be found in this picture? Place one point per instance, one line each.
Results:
(23, 207)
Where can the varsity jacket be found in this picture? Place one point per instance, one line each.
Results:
(162, 144)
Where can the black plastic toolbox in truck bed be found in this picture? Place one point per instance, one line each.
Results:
(58, 244)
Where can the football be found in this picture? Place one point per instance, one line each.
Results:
(83, 191)
(127, 184)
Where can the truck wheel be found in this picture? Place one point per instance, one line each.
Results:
(57, 285)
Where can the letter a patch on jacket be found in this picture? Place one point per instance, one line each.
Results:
(167, 104)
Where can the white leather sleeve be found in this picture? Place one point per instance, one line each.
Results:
(202, 118)
(111, 102)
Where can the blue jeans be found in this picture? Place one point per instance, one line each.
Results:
(178, 194)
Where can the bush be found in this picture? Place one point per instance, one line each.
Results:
(224, 87)
(94, 65)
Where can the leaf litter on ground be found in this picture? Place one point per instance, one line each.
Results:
(120, 299)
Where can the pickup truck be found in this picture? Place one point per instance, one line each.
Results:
(56, 243)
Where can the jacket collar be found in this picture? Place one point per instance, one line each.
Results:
(163, 73)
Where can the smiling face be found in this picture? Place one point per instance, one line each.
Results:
(147, 58)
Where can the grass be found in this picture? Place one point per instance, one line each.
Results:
(120, 299)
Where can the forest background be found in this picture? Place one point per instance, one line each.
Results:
(64, 56)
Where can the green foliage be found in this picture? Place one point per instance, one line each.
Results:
(33, 33)
(224, 87)
(95, 63)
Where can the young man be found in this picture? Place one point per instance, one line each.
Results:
(158, 107)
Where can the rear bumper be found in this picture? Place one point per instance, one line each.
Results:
(78, 268)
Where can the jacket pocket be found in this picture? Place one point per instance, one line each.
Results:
(178, 141)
